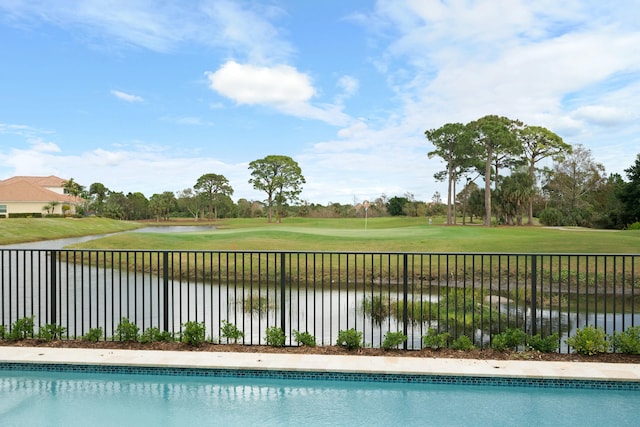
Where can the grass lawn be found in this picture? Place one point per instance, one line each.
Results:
(389, 234)
(18, 230)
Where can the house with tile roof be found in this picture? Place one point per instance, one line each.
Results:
(38, 195)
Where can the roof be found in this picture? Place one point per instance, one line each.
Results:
(33, 189)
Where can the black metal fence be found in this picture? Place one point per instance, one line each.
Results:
(477, 295)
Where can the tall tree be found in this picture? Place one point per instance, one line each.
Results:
(396, 205)
(115, 205)
(463, 198)
(629, 194)
(540, 143)
(573, 183)
(495, 136)
(212, 186)
(137, 206)
(280, 177)
(162, 204)
(190, 201)
(514, 191)
(98, 193)
(452, 144)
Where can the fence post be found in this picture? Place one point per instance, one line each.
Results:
(53, 288)
(405, 296)
(534, 294)
(165, 278)
(283, 294)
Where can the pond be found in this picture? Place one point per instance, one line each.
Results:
(92, 295)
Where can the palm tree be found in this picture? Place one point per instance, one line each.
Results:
(72, 188)
(515, 190)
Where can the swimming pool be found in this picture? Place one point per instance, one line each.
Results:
(89, 395)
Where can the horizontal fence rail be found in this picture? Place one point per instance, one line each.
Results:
(477, 295)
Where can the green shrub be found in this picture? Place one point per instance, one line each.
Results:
(463, 342)
(22, 329)
(393, 340)
(349, 338)
(634, 226)
(627, 342)
(127, 331)
(589, 341)
(548, 344)
(193, 333)
(304, 338)
(231, 332)
(511, 338)
(275, 337)
(51, 332)
(154, 334)
(3, 331)
(93, 335)
(435, 340)
(550, 217)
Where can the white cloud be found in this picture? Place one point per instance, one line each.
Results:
(126, 96)
(250, 84)
(281, 87)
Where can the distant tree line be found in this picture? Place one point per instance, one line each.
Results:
(574, 191)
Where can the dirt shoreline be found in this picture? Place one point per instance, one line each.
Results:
(480, 354)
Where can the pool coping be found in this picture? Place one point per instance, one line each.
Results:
(406, 367)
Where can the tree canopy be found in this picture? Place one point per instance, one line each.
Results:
(212, 186)
(486, 146)
(540, 143)
(280, 177)
(452, 143)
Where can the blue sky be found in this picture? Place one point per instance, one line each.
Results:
(147, 96)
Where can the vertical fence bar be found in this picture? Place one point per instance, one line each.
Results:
(53, 280)
(405, 296)
(534, 294)
(283, 293)
(165, 296)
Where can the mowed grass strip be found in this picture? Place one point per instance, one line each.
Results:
(381, 235)
(19, 230)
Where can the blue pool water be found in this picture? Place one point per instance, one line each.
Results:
(42, 398)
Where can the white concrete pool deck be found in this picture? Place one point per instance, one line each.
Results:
(324, 363)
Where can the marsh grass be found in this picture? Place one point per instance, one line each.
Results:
(458, 311)
(257, 304)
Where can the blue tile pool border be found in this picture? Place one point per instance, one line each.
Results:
(326, 376)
